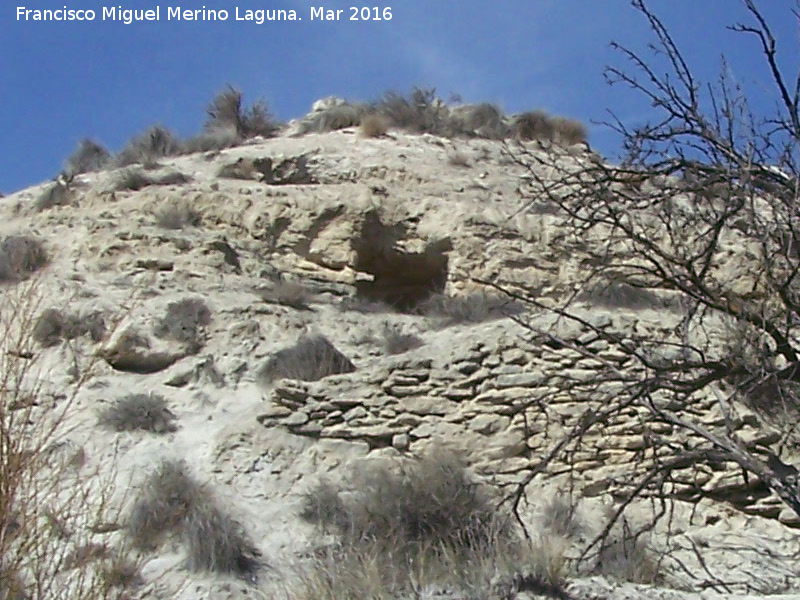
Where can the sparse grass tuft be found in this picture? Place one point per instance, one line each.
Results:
(185, 322)
(374, 125)
(310, 359)
(172, 502)
(133, 180)
(163, 504)
(178, 215)
(89, 156)
(147, 412)
(20, 255)
(54, 325)
(476, 307)
(397, 342)
(214, 138)
(621, 294)
(458, 158)
(215, 542)
(482, 120)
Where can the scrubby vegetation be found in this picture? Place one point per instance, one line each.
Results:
(185, 322)
(475, 307)
(178, 215)
(89, 156)
(146, 412)
(417, 524)
(155, 143)
(54, 325)
(227, 111)
(172, 503)
(20, 255)
(310, 359)
(287, 293)
(397, 342)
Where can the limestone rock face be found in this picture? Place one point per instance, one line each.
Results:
(351, 237)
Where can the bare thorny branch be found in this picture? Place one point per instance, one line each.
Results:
(703, 214)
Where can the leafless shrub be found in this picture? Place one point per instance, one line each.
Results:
(227, 112)
(626, 556)
(178, 215)
(157, 142)
(421, 112)
(475, 307)
(50, 500)
(173, 503)
(147, 412)
(533, 125)
(374, 125)
(20, 255)
(310, 359)
(54, 325)
(397, 342)
(185, 322)
(569, 131)
(89, 156)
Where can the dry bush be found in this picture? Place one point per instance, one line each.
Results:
(374, 125)
(533, 125)
(185, 322)
(397, 342)
(54, 325)
(51, 503)
(226, 111)
(157, 142)
(172, 503)
(420, 112)
(214, 138)
(146, 412)
(178, 215)
(569, 131)
(621, 294)
(419, 527)
(482, 120)
(89, 156)
(334, 118)
(476, 307)
(287, 293)
(134, 179)
(458, 158)
(627, 556)
(429, 500)
(20, 255)
(310, 359)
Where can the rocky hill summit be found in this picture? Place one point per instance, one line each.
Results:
(338, 365)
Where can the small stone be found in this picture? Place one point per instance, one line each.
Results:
(400, 441)
(296, 419)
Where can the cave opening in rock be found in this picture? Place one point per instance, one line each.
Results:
(401, 279)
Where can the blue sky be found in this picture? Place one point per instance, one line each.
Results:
(60, 82)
